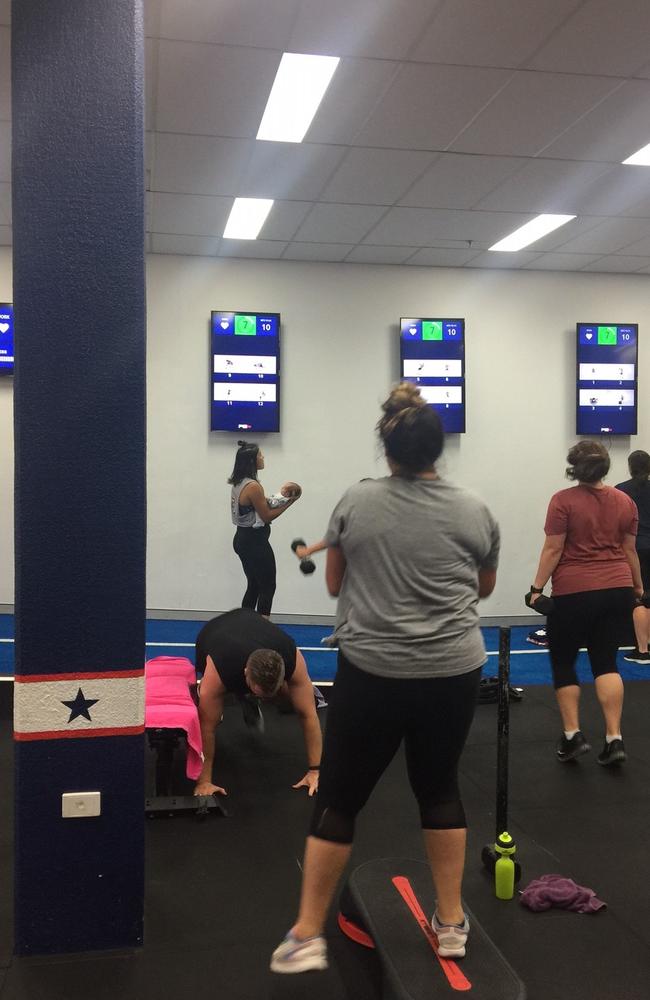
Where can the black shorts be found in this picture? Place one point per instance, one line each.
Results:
(597, 619)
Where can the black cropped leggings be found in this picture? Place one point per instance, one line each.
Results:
(367, 719)
(597, 619)
(254, 550)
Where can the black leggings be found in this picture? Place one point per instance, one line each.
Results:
(367, 719)
(597, 619)
(254, 549)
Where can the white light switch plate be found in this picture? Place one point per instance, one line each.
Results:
(77, 804)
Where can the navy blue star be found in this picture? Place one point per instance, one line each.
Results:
(80, 706)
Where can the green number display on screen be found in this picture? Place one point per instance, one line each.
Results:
(245, 326)
(607, 335)
(431, 329)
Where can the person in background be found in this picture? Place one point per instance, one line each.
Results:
(409, 556)
(590, 555)
(252, 513)
(638, 488)
(242, 653)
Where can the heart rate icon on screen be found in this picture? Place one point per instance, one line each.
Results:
(224, 324)
(588, 336)
(413, 329)
(4, 327)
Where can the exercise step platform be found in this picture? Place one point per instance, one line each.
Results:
(173, 805)
(387, 904)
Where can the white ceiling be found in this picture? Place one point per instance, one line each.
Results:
(448, 124)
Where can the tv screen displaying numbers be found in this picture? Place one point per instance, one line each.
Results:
(245, 350)
(606, 378)
(432, 354)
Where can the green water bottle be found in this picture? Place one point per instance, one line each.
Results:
(504, 868)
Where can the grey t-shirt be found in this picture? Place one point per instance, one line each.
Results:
(408, 605)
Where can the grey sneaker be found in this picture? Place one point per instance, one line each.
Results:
(452, 938)
(573, 748)
(293, 955)
(612, 753)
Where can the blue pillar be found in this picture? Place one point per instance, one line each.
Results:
(77, 110)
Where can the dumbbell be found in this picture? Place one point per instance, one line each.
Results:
(307, 565)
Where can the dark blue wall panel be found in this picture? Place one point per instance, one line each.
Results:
(79, 296)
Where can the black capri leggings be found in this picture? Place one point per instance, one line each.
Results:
(254, 549)
(597, 619)
(367, 719)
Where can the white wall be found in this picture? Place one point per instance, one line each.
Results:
(339, 357)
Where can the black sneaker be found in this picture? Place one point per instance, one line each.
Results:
(538, 637)
(573, 748)
(634, 656)
(613, 753)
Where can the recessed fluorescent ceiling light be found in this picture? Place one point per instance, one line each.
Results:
(298, 89)
(246, 218)
(641, 158)
(532, 231)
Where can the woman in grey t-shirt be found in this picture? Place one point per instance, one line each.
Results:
(409, 557)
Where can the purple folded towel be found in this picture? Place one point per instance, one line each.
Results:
(556, 890)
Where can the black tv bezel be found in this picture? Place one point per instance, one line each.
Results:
(441, 319)
(607, 434)
(247, 312)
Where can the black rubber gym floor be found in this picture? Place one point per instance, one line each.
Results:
(221, 894)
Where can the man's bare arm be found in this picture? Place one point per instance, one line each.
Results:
(210, 712)
(301, 693)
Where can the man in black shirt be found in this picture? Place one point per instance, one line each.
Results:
(638, 488)
(242, 652)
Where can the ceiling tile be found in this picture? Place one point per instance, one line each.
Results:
(601, 37)
(609, 236)
(382, 29)
(458, 180)
(199, 164)
(620, 191)
(288, 170)
(641, 247)
(441, 257)
(230, 22)
(612, 130)
(544, 186)
(379, 255)
(490, 32)
(503, 261)
(191, 215)
(375, 176)
(531, 111)
(427, 106)
(283, 220)
(213, 90)
(316, 251)
(422, 227)
(618, 264)
(260, 249)
(152, 18)
(356, 87)
(339, 223)
(185, 245)
(561, 261)
(5, 151)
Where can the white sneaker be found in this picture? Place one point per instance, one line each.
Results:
(294, 955)
(452, 938)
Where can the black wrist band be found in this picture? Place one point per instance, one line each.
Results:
(536, 590)
(314, 767)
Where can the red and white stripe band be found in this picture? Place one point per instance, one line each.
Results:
(78, 705)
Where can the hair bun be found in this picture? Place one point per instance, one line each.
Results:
(404, 396)
(241, 444)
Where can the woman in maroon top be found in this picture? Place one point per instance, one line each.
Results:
(590, 555)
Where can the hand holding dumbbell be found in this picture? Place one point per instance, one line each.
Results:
(307, 565)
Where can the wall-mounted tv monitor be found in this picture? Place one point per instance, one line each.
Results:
(606, 378)
(245, 384)
(432, 354)
(6, 338)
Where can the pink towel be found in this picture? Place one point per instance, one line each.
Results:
(556, 890)
(169, 705)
